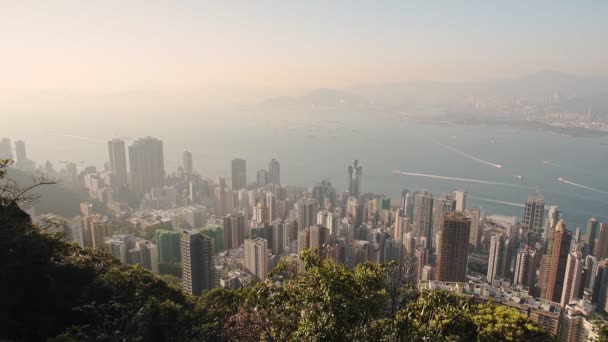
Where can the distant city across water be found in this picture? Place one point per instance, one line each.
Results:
(498, 166)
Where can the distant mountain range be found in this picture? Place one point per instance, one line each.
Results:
(538, 93)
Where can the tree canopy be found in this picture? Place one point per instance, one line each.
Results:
(54, 290)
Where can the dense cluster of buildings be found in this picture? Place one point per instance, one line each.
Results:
(230, 235)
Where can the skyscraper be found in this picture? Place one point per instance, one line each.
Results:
(500, 258)
(20, 153)
(198, 266)
(318, 236)
(118, 161)
(355, 173)
(168, 243)
(545, 263)
(262, 177)
(270, 201)
(452, 255)
(407, 204)
(256, 257)
(461, 200)
(557, 268)
(442, 205)
(572, 278)
(274, 172)
(525, 267)
(590, 235)
(187, 163)
(306, 212)
(423, 215)
(476, 229)
(325, 194)
(601, 250)
(147, 164)
(279, 237)
(234, 230)
(239, 174)
(5, 149)
(534, 212)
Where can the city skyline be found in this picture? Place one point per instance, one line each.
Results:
(281, 170)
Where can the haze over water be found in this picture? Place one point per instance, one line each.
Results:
(322, 143)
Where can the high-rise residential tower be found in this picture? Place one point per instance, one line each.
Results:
(500, 258)
(198, 266)
(355, 173)
(442, 205)
(423, 215)
(187, 163)
(262, 177)
(572, 278)
(274, 172)
(525, 267)
(590, 235)
(256, 257)
(559, 258)
(534, 213)
(234, 230)
(461, 200)
(476, 228)
(453, 246)
(601, 250)
(5, 149)
(306, 209)
(545, 262)
(147, 164)
(239, 173)
(118, 161)
(407, 204)
(20, 153)
(168, 242)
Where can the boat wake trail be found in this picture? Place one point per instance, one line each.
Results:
(582, 186)
(497, 201)
(466, 155)
(468, 180)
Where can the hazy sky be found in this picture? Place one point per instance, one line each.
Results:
(172, 45)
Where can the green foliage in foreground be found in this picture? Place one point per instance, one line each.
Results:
(57, 291)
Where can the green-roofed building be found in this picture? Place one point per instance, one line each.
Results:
(216, 232)
(168, 242)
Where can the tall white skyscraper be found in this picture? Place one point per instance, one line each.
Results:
(461, 200)
(407, 204)
(355, 173)
(256, 257)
